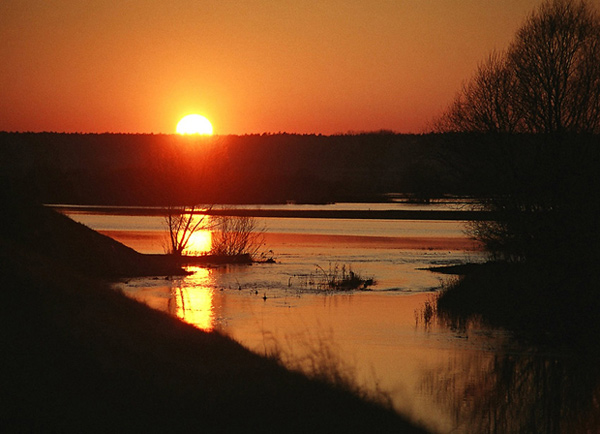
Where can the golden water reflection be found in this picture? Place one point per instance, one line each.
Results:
(485, 383)
(200, 243)
(193, 300)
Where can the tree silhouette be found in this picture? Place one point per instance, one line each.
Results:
(546, 84)
(485, 104)
(548, 80)
(182, 223)
(236, 235)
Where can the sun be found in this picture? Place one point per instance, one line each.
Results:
(194, 124)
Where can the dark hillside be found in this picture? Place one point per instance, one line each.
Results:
(46, 233)
(78, 356)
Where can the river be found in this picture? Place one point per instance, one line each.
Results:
(448, 380)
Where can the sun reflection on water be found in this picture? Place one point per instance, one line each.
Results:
(193, 300)
(200, 243)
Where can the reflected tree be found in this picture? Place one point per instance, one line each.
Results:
(519, 391)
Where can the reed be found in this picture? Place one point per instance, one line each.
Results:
(340, 278)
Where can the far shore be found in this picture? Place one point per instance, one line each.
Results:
(458, 215)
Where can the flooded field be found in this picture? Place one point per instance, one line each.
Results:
(435, 375)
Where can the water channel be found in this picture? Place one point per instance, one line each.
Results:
(475, 380)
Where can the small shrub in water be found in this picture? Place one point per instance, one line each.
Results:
(341, 279)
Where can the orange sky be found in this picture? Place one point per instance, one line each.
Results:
(253, 66)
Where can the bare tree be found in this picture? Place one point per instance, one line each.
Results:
(556, 58)
(182, 223)
(485, 103)
(237, 235)
(548, 81)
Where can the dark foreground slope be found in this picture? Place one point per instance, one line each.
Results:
(546, 305)
(45, 232)
(80, 357)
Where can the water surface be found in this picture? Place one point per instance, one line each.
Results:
(475, 380)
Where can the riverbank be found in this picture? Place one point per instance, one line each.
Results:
(547, 305)
(80, 357)
(45, 233)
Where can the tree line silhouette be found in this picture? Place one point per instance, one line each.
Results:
(143, 169)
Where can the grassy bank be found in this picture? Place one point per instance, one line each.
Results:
(41, 231)
(549, 305)
(80, 357)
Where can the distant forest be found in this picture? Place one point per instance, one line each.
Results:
(146, 169)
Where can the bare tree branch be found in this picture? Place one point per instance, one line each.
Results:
(182, 223)
(548, 81)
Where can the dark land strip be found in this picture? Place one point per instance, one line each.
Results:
(459, 215)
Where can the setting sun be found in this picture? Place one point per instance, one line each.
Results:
(194, 124)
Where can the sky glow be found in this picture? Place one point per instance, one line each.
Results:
(251, 67)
